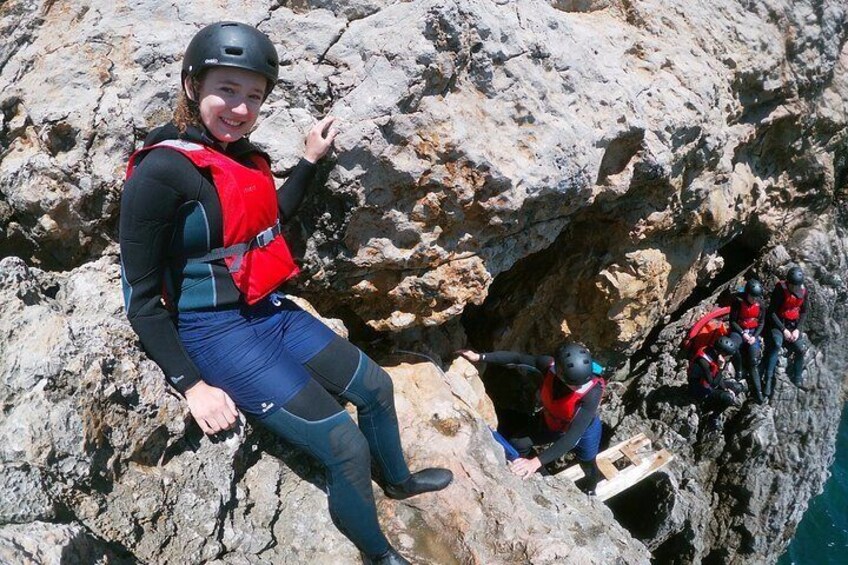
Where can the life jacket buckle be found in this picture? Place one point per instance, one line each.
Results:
(265, 237)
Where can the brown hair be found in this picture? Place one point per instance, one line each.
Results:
(187, 111)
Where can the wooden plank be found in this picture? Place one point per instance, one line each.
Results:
(618, 480)
(610, 454)
(632, 475)
(628, 449)
(638, 439)
(607, 469)
(631, 454)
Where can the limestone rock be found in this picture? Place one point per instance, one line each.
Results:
(508, 174)
(102, 438)
(42, 543)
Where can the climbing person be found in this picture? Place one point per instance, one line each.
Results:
(785, 320)
(202, 256)
(570, 396)
(747, 319)
(707, 383)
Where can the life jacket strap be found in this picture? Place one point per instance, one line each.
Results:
(262, 239)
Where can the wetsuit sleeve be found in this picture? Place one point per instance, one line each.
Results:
(735, 305)
(774, 306)
(585, 414)
(803, 314)
(149, 203)
(761, 322)
(701, 371)
(293, 190)
(510, 358)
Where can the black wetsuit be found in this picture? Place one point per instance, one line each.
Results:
(717, 396)
(169, 208)
(276, 361)
(775, 341)
(748, 355)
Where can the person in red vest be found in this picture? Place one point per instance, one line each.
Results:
(202, 256)
(786, 314)
(747, 320)
(570, 397)
(708, 384)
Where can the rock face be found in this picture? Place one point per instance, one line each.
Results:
(94, 440)
(508, 174)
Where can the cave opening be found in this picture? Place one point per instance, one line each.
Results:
(677, 549)
(645, 508)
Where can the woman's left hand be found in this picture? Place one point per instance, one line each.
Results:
(525, 468)
(319, 139)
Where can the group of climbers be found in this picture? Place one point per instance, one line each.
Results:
(742, 343)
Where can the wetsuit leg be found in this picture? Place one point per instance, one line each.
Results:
(751, 361)
(314, 422)
(523, 445)
(244, 353)
(524, 431)
(797, 350)
(719, 400)
(344, 370)
(738, 363)
(774, 343)
(586, 451)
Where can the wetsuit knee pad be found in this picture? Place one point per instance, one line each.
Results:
(801, 346)
(377, 382)
(347, 444)
(335, 365)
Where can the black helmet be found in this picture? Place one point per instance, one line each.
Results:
(795, 276)
(232, 44)
(725, 345)
(575, 362)
(754, 288)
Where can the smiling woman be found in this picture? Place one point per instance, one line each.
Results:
(202, 254)
(229, 102)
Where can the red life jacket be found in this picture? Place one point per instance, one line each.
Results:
(791, 307)
(254, 250)
(559, 412)
(714, 368)
(749, 315)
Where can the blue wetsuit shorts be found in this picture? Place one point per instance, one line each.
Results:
(256, 354)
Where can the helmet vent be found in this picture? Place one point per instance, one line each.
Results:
(234, 51)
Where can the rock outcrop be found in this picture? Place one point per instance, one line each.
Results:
(508, 174)
(92, 441)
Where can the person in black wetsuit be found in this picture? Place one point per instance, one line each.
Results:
(785, 319)
(707, 383)
(747, 319)
(202, 254)
(570, 396)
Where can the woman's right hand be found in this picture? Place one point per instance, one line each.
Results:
(211, 407)
(319, 139)
(470, 355)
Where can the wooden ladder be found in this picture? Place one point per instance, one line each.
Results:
(623, 465)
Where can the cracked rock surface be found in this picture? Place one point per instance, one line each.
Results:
(508, 174)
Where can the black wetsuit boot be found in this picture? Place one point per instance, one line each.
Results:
(427, 480)
(756, 384)
(751, 364)
(593, 476)
(390, 557)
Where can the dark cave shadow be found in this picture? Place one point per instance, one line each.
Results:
(673, 395)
